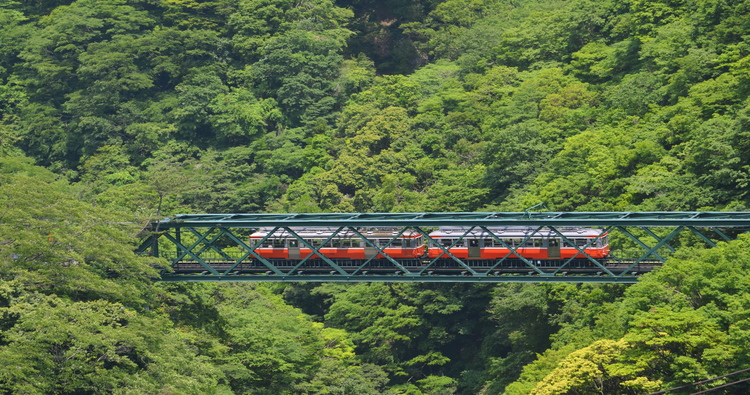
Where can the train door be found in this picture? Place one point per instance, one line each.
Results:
(553, 248)
(370, 251)
(294, 249)
(474, 251)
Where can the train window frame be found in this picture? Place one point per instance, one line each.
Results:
(314, 242)
(278, 243)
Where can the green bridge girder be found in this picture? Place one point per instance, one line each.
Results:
(215, 247)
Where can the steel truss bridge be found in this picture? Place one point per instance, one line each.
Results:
(216, 247)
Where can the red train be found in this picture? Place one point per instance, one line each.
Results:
(543, 244)
(345, 245)
(476, 244)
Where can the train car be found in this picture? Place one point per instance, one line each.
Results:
(345, 245)
(544, 244)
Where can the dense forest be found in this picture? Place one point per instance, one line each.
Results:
(117, 112)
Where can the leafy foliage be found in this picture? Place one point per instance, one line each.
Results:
(142, 109)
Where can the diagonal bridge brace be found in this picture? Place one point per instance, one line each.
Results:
(207, 245)
(639, 242)
(446, 250)
(222, 231)
(380, 251)
(189, 251)
(513, 251)
(251, 251)
(658, 245)
(583, 252)
(316, 251)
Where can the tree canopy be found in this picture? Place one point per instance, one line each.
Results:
(114, 113)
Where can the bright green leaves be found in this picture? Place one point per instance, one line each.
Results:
(683, 343)
(57, 244)
(264, 346)
(685, 323)
(381, 322)
(191, 112)
(296, 51)
(75, 301)
(594, 369)
(53, 55)
(192, 14)
(645, 16)
(239, 116)
(99, 347)
(416, 332)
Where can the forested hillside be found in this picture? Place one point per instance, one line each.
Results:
(117, 112)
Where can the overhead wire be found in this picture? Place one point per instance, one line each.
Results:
(706, 381)
(721, 386)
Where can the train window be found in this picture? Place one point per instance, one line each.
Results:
(293, 243)
(408, 243)
(517, 242)
(460, 243)
(447, 242)
(473, 242)
(396, 243)
(278, 243)
(581, 242)
(252, 243)
(335, 243)
(268, 243)
(537, 243)
(487, 243)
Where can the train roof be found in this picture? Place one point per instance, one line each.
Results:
(317, 232)
(514, 231)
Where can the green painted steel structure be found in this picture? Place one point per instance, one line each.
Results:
(215, 247)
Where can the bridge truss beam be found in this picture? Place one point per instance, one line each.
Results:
(215, 247)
